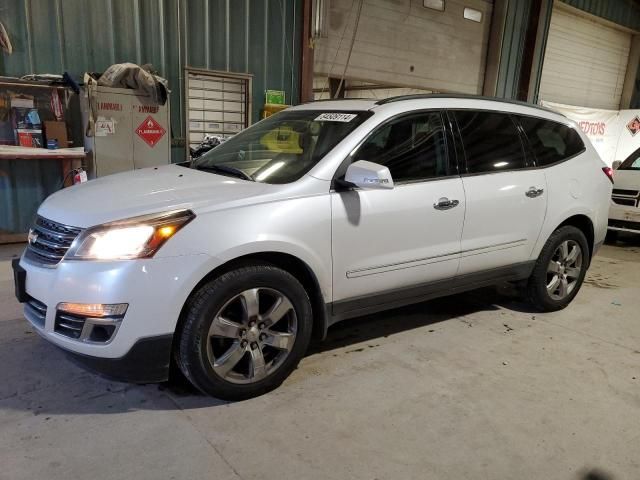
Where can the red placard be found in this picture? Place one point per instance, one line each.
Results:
(150, 131)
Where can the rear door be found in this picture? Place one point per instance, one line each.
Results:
(505, 194)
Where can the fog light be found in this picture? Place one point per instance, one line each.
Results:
(98, 310)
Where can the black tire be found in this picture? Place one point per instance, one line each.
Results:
(537, 292)
(193, 335)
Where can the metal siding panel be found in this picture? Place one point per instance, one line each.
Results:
(196, 27)
(622, 12)
(516, 22)
(124, 42)
(274, 63)
(14, 20)
(41, 21)
(150, 28)
(296, 50)
(237, 36)
(257, 51)
(217, 35)
(24, 184)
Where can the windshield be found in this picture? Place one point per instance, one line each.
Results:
(281, 148)
(631, 163)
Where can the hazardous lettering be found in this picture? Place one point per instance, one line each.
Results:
(113, 106)
(148, 109)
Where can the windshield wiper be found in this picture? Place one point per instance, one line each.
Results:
(226, 169)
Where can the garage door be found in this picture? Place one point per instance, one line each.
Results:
(585, 61)
(423, 44)
(217, 104)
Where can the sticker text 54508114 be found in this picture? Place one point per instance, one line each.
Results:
(335, 117)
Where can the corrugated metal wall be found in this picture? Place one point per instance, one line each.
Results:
(622, 12)
(515, 29)
(261, 37)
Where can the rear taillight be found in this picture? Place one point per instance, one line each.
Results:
(608, 171)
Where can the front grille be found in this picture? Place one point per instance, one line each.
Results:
(35, 311)
(629, 202)
(628, 198)
(624, 224)
(49, 241)
(628, 193)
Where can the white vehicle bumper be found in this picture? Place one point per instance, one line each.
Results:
(155, 291)
(624, 219)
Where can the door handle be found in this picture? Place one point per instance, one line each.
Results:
(445, 204)
(534, 192)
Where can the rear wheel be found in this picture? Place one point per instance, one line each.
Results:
(559, 270)
(244, 332)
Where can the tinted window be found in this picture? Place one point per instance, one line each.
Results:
(632, 162)
(491, 141)
(411, 147)
(551, 142)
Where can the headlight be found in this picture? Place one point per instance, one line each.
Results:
(138, 237)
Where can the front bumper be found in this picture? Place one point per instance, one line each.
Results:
(147, 362)
(155, 290)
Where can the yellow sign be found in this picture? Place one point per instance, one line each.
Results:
(282, 140)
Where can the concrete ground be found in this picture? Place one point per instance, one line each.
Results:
(469, 387)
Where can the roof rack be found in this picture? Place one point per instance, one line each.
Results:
(419, 96)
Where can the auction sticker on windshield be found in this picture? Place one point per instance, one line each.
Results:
(335, 117)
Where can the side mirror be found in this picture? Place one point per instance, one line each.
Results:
(616, 164)
(369, 175)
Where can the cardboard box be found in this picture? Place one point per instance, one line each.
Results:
(29, 138)
(57, 130)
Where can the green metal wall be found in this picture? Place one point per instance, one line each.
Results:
(515, 27)
(261, 37)
(622, 12)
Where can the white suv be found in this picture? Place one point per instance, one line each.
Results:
(229, 265)
(624, 215)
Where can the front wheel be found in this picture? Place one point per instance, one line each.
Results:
(244, 332)
(559, 270)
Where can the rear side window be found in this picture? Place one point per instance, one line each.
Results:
(491, 141)
(551, 142)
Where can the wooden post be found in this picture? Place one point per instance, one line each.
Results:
(306, 64)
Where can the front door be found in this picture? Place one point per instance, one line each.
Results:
(386, 240)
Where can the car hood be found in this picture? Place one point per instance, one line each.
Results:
(144, 191)
(626, 179)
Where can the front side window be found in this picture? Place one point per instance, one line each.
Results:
(550, 141)
(632, 162)
(281, 148)
(491, 141)
(412, 147)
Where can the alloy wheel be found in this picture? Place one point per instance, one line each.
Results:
(251, 335)
(563, 271)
